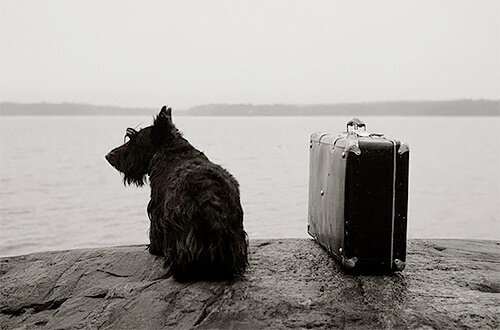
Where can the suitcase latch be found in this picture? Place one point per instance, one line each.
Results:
(352, 146)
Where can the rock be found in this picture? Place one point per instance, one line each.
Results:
(292, 283)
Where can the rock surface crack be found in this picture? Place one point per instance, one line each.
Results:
(208, 304)
(51, 304)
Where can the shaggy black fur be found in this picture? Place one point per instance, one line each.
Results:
(195, 211)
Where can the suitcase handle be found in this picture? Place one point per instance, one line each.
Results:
(355, 123)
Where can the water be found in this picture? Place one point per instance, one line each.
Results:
(58, 192)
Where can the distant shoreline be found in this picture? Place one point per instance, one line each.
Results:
(463, 107)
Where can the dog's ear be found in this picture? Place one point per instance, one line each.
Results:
(166, 112)
(162, 125)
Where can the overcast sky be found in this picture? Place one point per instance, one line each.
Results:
(184, 53)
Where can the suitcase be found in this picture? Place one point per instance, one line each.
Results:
(358, 198)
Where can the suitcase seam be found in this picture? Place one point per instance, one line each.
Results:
(393, 202)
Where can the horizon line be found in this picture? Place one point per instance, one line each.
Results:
(250, 104)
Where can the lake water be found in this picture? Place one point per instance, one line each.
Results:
(58, 192)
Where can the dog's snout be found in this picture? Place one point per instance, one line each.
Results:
(109, 157)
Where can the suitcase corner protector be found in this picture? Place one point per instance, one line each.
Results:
(399, 265)
(349, 263)
(403, 148)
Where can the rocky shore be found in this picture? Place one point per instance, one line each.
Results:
(292, 283)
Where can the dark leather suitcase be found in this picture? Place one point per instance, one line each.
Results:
(358, 198)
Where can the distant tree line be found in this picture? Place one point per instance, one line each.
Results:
(400, 108)
(69, 109)
(403, 108)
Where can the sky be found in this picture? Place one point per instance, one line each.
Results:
(186, 53)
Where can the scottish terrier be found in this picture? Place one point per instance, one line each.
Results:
(195, 211)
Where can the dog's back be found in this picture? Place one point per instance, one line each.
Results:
(200, 217)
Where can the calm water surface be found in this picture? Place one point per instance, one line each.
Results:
(58, 192)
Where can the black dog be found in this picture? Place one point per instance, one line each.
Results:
(195, 211)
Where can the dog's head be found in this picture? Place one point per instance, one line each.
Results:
(134, 156)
